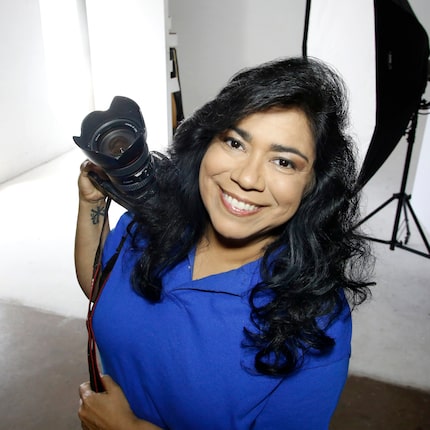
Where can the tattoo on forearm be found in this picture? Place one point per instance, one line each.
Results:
(97, 213)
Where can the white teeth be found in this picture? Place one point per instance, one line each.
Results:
(237, 204)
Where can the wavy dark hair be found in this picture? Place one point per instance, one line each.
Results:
(317, 253)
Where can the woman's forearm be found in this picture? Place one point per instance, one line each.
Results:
(88, 235)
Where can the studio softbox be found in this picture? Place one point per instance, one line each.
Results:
(402, 51)
(381, 50)
(386, 38)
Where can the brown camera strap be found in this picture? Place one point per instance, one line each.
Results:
(100, 277)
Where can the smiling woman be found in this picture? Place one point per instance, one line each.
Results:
(229, 305)
(252, 179)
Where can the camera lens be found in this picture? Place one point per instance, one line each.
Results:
(116, 141)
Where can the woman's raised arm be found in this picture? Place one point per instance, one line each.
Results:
(90, 222)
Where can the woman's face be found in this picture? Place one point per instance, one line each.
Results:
(253, 176)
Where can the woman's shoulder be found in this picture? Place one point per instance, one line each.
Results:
(121, 228)
(115, 235)
(338, 326)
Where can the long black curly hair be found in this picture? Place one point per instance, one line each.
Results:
(318, 252)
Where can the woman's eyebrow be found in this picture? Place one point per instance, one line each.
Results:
(274, 147)
(242, 133)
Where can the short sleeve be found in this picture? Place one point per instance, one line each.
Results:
(305, 400)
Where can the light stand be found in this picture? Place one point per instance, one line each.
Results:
(403, 203)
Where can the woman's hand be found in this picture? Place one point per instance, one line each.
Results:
(87, 191)
(108, 410)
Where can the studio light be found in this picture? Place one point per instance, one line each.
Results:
(401, 74)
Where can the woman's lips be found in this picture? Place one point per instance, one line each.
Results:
(238, 207)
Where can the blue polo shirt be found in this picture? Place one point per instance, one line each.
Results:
(180, 362)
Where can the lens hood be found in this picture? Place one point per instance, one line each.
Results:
(123, 114)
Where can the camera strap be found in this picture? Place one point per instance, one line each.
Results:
(100, 276)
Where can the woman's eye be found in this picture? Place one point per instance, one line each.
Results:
(233, 143)
(285, 163)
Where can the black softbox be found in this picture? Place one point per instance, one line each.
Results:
(402, 51)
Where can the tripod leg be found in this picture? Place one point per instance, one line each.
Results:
(400, 205)
(379, 208)
(417, 223)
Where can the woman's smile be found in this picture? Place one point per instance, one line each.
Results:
(253, 176)
(237, 206)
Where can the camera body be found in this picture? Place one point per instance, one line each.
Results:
(115, 140)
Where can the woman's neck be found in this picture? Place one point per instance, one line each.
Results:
(215, 254)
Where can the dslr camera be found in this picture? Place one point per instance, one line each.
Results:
(115, 140)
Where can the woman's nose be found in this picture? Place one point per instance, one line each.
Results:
(249, 175)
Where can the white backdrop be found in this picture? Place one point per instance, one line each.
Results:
(342, 33)
(420, 192)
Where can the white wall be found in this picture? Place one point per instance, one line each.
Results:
(216, 39)
(45, 78)
(129, 57)
(33, 126)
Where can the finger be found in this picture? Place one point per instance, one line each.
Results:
(85, 390)
(88, 166)
(80, 415)
(85, 165)
(108, 382)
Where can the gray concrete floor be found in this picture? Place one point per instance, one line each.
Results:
(43, 361)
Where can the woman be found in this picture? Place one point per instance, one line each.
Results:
(227, 306)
